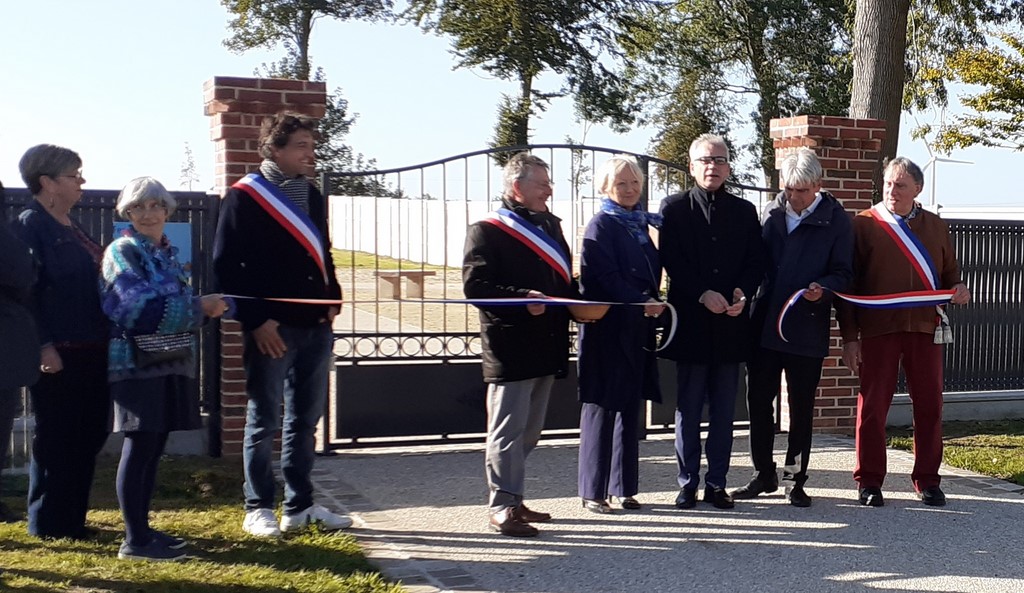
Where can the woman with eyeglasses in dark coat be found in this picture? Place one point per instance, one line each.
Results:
(71, 400)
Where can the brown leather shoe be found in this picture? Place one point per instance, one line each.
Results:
(506, 523)
(529, 516)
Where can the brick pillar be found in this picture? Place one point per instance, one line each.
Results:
(849, 153)
(236, 108)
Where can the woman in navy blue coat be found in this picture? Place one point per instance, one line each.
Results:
(617, 366)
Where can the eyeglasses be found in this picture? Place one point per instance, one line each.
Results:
(143, 210)
(77, 177)
(712, 160)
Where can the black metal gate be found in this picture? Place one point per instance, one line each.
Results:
(408, 370)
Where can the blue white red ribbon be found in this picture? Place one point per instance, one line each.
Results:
(533, 238)
(298, 224)
(501, 302)
(896, 300)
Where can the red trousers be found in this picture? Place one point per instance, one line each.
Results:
(922, 363)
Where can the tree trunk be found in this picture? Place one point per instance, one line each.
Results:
(305, 31)
(879, 55)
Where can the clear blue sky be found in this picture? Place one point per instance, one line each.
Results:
(120, 81)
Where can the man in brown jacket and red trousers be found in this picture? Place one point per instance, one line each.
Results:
(899, 247)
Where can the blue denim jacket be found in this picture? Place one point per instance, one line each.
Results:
(64, 301)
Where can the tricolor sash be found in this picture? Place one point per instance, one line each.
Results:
(908, 244)
(298, 224)
(533, 238)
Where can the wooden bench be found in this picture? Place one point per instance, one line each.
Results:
(389, 281)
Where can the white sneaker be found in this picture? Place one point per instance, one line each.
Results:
(261, 523)
(315, 514)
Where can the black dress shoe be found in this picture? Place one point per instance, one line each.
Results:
(530, 516)
(505, 523)
(755, 487)
(600, 507)
(870, 497)
(629, 503)
(797, 497)
(933, 496)
(718, 497)
(687, 498)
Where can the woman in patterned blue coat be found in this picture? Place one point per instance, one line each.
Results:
(144, 290)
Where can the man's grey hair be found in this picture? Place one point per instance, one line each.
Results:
(711, 139)
(48, 160)
(902, 163)
(144, 189)
(518, 168)
(610, 169)
(800, 168)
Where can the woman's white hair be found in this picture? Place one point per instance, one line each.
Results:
(606, 173)
(143, 189)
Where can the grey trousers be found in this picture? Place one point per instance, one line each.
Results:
(515, 418)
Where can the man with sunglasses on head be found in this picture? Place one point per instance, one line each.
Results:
(712, 250)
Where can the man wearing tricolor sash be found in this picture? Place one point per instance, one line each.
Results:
(899, 247)
(518, 251)
(272, 246)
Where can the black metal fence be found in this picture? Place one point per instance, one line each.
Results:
(95, 212)
(987, 353)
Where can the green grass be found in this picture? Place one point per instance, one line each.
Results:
(198, 499)
(994, 448)
(344, 258)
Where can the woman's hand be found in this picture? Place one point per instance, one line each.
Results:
(213, 305)
(50, 361)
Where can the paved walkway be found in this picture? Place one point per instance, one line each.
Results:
(420, 516)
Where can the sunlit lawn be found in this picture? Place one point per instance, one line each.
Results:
(198, 499)
(994, 448)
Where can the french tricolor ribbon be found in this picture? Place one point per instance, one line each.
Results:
(896, 300)
(908, 243)
(533, 238)
(551, 301)
(287, 214)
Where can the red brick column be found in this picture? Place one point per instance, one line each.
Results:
(236, 108)
(849, 153)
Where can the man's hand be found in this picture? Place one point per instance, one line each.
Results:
(653, 308)
(268, 340)
(962, 296)
(213, 305)
(851, 356)
(50, 360)
(739, 300)
(714, 301)
(814, 292)
(536, 308)
(332, 312)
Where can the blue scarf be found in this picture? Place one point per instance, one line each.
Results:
(634, 220)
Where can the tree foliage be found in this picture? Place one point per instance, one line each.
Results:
(997, 117)
(935, 30)
(268, 23)
(289, 23)
(695, 64)
(517, 41)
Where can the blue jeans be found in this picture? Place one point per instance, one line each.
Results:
(716, 384)
(307, 362)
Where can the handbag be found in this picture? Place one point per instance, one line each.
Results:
(153, 349)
